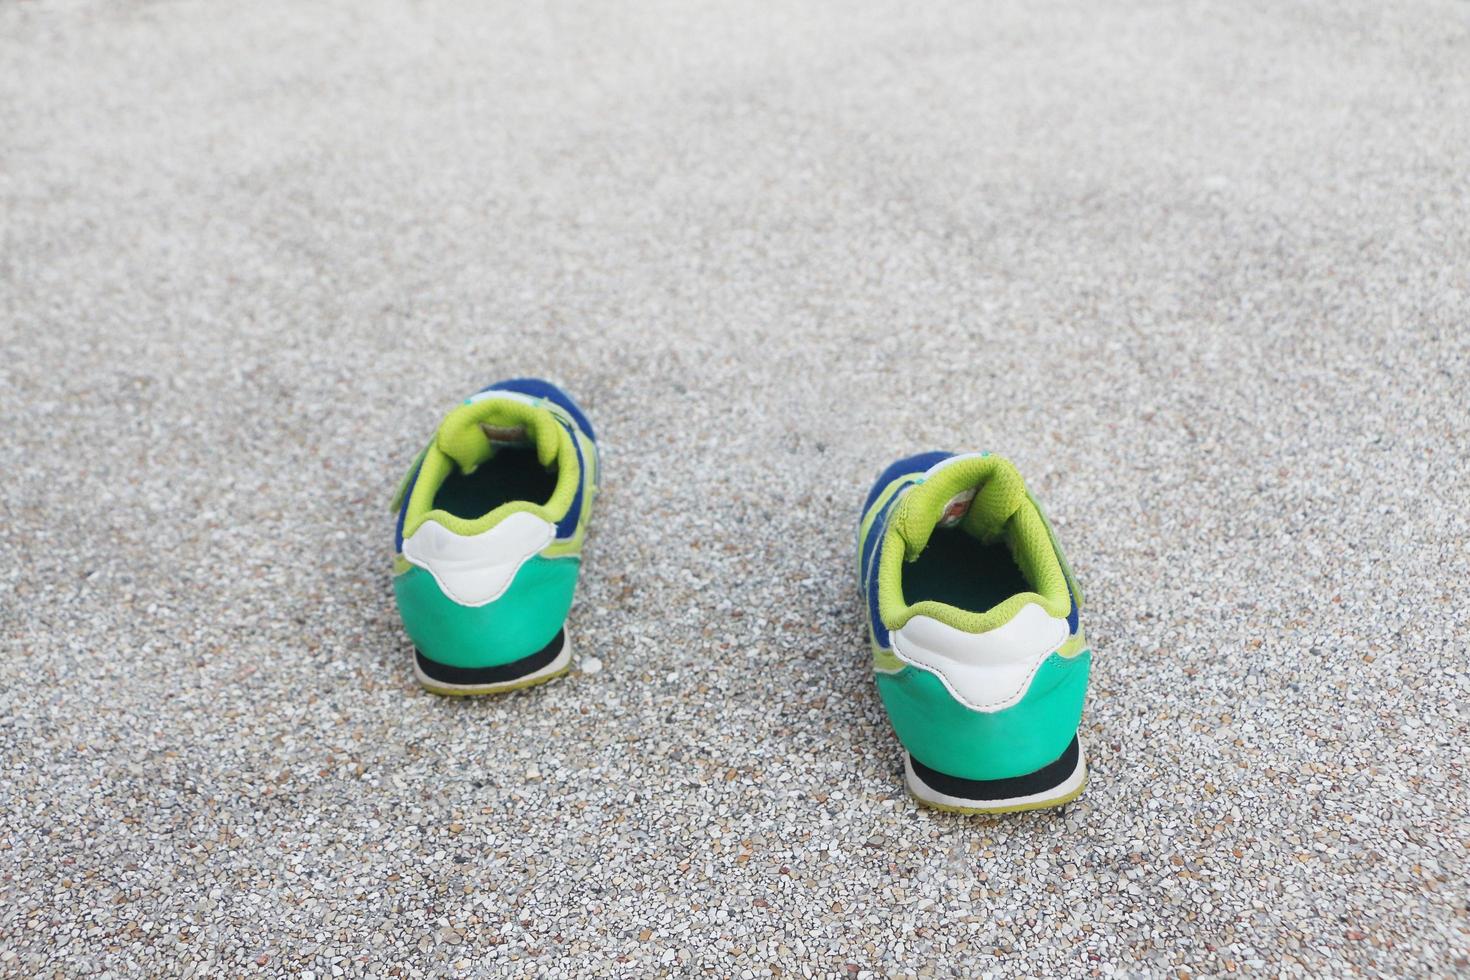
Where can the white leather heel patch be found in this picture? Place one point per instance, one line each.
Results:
(984, 671)
(477, 569)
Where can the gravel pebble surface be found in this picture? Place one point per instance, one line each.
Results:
(1202, 270)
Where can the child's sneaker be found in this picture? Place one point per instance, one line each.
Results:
(972, 613)
(491, 519)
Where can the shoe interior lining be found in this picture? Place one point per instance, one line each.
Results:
(961, 571)
(512, 474)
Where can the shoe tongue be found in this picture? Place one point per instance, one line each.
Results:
(977, 493)
(475, 431)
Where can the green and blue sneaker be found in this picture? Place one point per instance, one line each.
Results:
(491, 520)
(972, 611)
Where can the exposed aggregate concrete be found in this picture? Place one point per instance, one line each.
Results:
(1202, 270)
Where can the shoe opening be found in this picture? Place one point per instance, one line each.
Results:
(512, 474)
(958, 569)
(490, 457)
(970, 545)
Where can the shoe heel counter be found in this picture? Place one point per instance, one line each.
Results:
(987, 706)
(522, 620)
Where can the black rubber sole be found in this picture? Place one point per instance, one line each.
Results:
(499, 674)
(984, 792)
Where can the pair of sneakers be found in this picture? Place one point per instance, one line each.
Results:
(972, 611)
